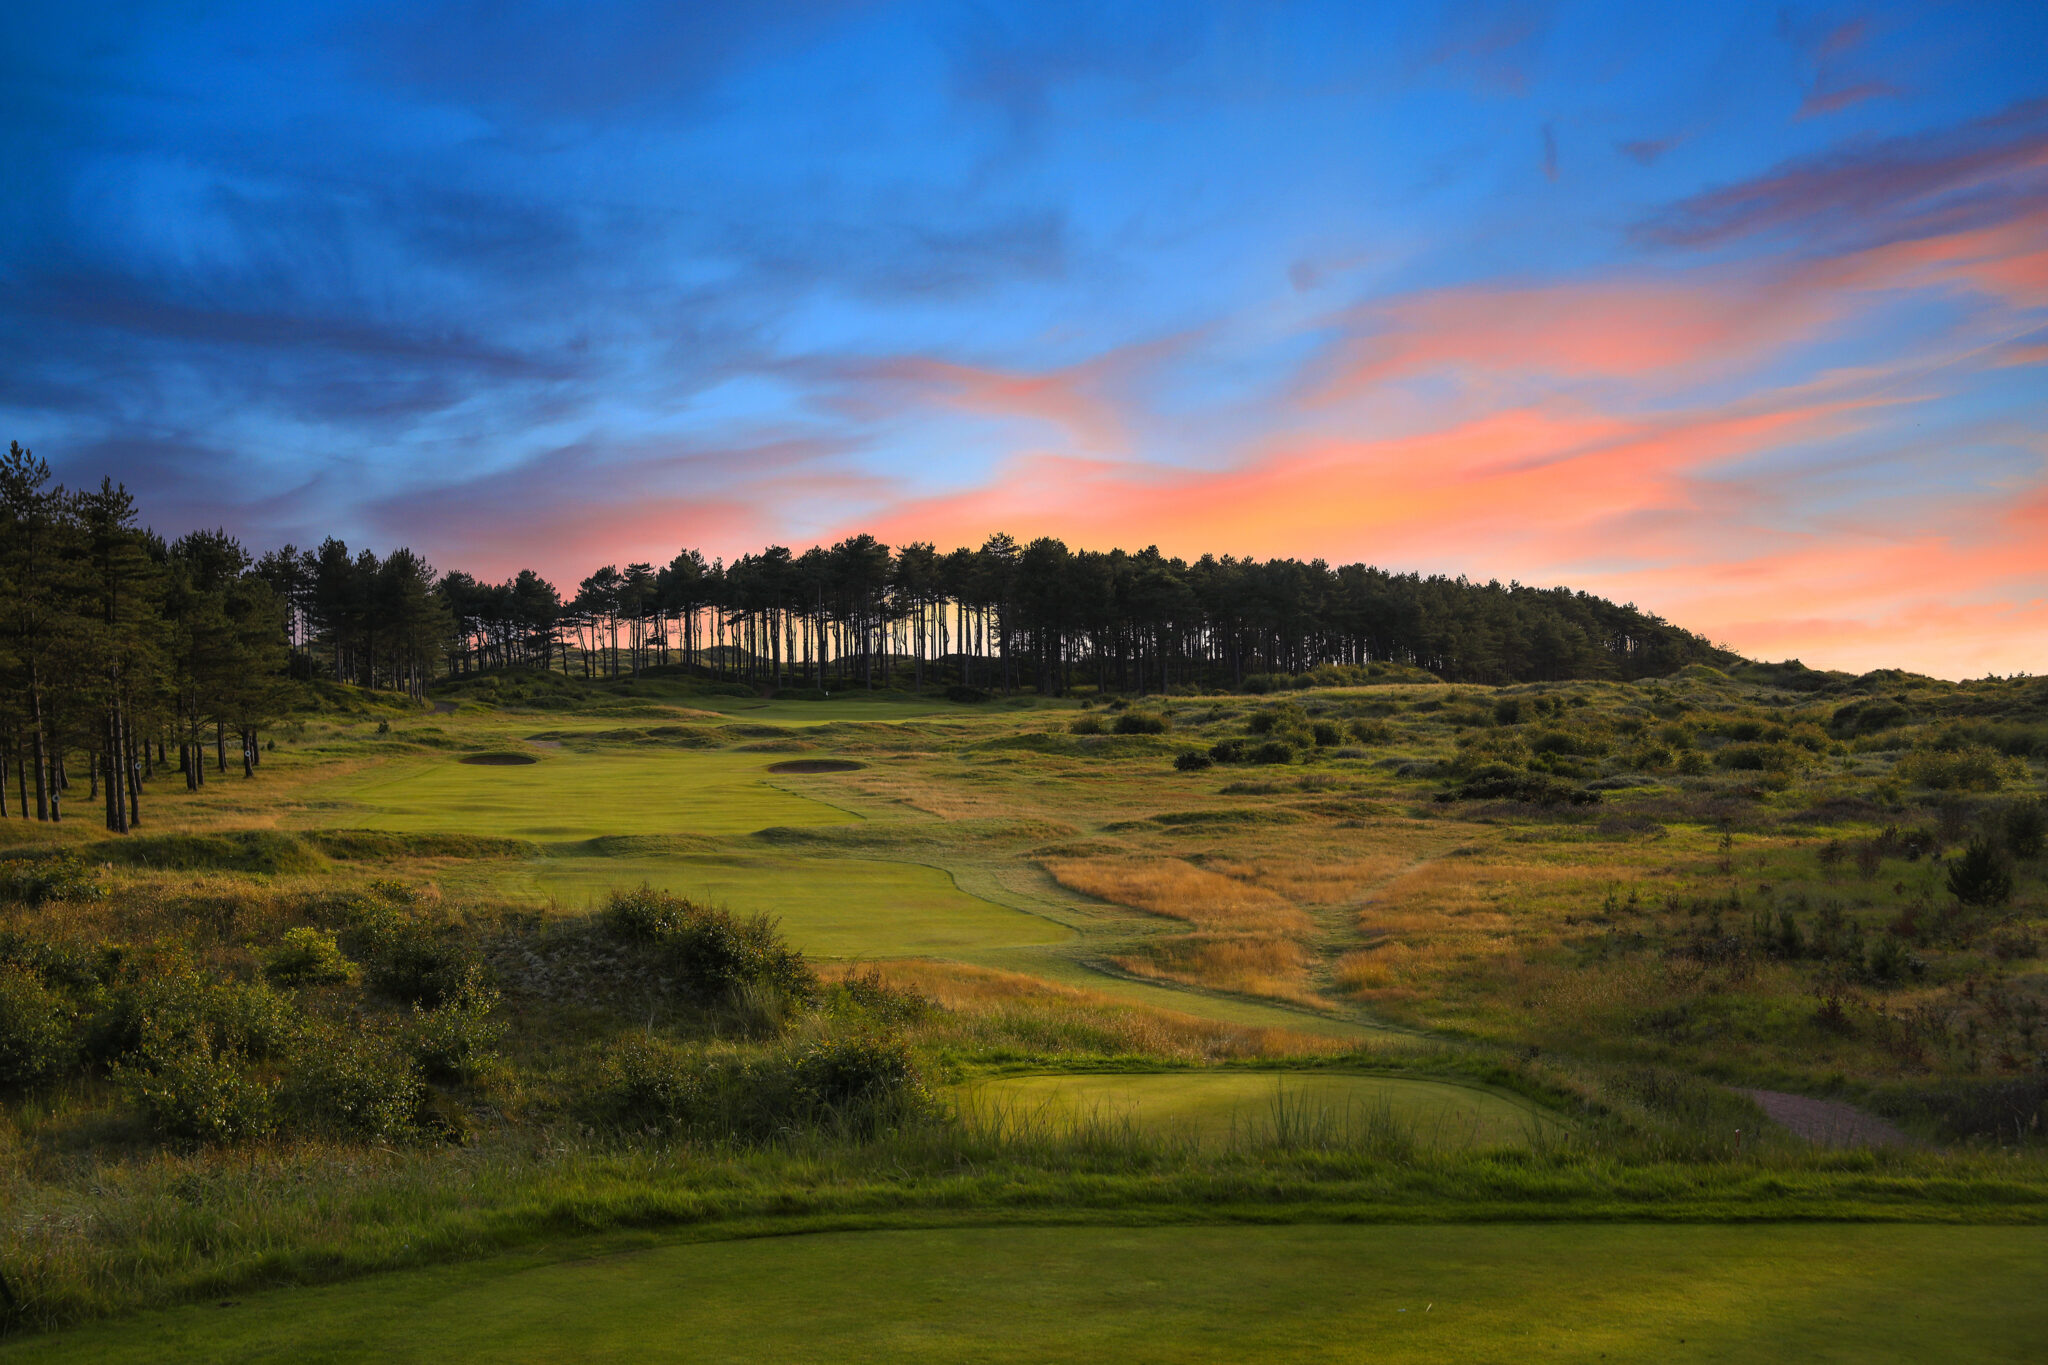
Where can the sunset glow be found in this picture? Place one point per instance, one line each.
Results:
(1737, 313)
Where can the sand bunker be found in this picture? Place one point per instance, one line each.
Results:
(816, 765)
(498, 760)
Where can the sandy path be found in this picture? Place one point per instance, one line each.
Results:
(1827, 1123)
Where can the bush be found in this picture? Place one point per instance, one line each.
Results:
(1972, 767)
(358, 1088)
(965, 695)
(644, 1085)
(1766, 758)
(1227, 751)
(1087, 725)
(197, 1094)
(1327, 735)
(1193, 762)
(454, 1042)
(1140, 723)
(1371, 731)
(646, 915)
(35, 881)
(308, 957)
(713, 953)
(1980, 876)
(415, 966)
(1272, 751)
(863, 1082)
(2026, 827)
(1507, 711)
(35, 1031)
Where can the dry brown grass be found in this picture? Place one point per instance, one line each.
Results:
(1307, 880)
(1248, 965)
(1179, 890)
(981, 1006)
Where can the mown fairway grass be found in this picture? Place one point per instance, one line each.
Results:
(573, 795)
(1347, 1293)
(1211, 1105)
(829, 907)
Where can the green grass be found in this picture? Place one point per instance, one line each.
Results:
(1381, 1293)
(570, 795)
(1210, 1105)
(829, 907)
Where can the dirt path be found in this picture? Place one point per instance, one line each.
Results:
(1827, 1123)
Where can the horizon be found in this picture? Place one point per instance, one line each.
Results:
(1740, 317)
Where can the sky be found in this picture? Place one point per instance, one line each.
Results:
(1739, 313)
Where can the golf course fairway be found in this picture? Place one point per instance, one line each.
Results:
(1212, 1105)
(829, 907)
(1802, 1292)
(572, 795)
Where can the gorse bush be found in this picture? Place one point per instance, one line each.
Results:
(362, 1088)
(35, 1031)
(849, 1086)
(37, 881)
(1971, 767)
(1193, 762)
(712, 954)
(308, 957)
(455, 1042)
(1980, 876)
(1140, 723)
(196, 1093)
(2025, 828)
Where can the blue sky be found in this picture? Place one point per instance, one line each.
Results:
(1737, 312)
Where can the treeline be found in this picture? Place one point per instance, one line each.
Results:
(1002, 616)
(119, 650)
(118, 647)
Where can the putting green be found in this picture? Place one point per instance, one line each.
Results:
(570, 795)
(829, 907)
(1212, 1105)
(1347, 1293)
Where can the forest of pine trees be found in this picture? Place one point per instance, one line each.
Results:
(124, 654)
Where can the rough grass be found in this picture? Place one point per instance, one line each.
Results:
(1179, 890)
(1261, 1107)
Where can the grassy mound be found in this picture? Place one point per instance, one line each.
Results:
(248, 850)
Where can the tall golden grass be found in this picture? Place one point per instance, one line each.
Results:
(1180, 890)
(1247, 964)
(985, 1006)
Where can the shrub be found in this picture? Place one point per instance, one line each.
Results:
(454, 1042)
(308, 957)
(867, 995)
(1767, 758)
(863, 1082)
(1371, 731)
(1227, 751)
(1087, 725)
(967, 695)
(2026, 827)
(1980, 876)
(35, 881)
(357, 1088)
(197, 1094)
(644, 1085)
(1507, 711)
(1326, 734)
(1140, 723)
(1972, 767)
(646, 915)
(35, 1031)
(1193, 762)
(713, 953)
(1272, 751)
(415, 966)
